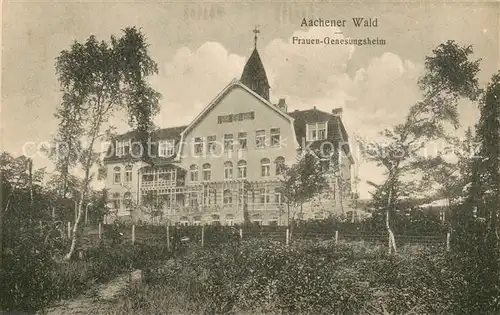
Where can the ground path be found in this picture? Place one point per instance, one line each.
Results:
(86, 303)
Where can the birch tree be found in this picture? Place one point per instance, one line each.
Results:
(449, 75)
(98, 79)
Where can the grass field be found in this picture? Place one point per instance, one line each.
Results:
(307, 277)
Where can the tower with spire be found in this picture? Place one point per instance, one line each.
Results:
(254, 75)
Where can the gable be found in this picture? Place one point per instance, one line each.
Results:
(243, 100)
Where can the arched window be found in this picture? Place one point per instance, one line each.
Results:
(193, 172)
(265, 167)
(207, 172)
(128, 173)
(280, 165)
(242, 169)
(228, 170)
(127, 201)
(117, 175)
(228, 198)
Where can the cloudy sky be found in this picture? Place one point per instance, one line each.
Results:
(200, 48)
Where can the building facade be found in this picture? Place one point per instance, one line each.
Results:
(227, 163)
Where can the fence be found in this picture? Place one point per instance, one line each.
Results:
(212, 235)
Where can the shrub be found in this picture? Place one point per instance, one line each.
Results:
(311, 278)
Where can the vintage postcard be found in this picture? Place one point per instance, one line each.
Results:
(250, 157)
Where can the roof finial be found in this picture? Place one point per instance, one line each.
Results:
(255, 31)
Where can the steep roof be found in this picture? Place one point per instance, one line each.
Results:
(336, 129)
(254, 75)
(158, 134)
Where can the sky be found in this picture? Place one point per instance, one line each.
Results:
(201, 47)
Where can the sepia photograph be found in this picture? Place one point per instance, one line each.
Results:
(250, 157)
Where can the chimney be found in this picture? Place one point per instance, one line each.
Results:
(337, 112)
(282, 105)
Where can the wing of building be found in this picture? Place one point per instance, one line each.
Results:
(228, 159)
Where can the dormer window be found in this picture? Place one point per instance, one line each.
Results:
(122, 147)
(316, 131)
(166, 148)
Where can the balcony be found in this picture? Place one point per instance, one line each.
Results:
(158, 184)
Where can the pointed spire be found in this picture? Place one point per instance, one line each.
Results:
(254, 75)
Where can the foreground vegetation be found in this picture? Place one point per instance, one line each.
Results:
(262, 277)
(33, 279)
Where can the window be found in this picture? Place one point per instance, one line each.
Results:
(277, 196)
(207, 172)
(265, 197)
(193, 199)
(116, 201)
(321, 131)
(260, 138)
(211, 144)
(242, 140)
(228, 170)
(128, 174)
(198, 146)
(275, 137)
(265, 166)
(280, 165)
(166, 148)
(122, 147)
(193, 172)
(229, 219)
(148, 177)
(215, 219)
(213, 196)
(197, 220)
(117, 175)
(242, 196)
(184, 221)
(228, 142)
(228, 198)
(242, 169)
(316, 131)
(127, 201)
(167, 175)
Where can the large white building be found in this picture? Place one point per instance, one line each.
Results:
(227, 159)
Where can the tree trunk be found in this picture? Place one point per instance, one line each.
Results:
(83, 195)
(30, 182)
(392, 240)
(341, 192)
(76, 229)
